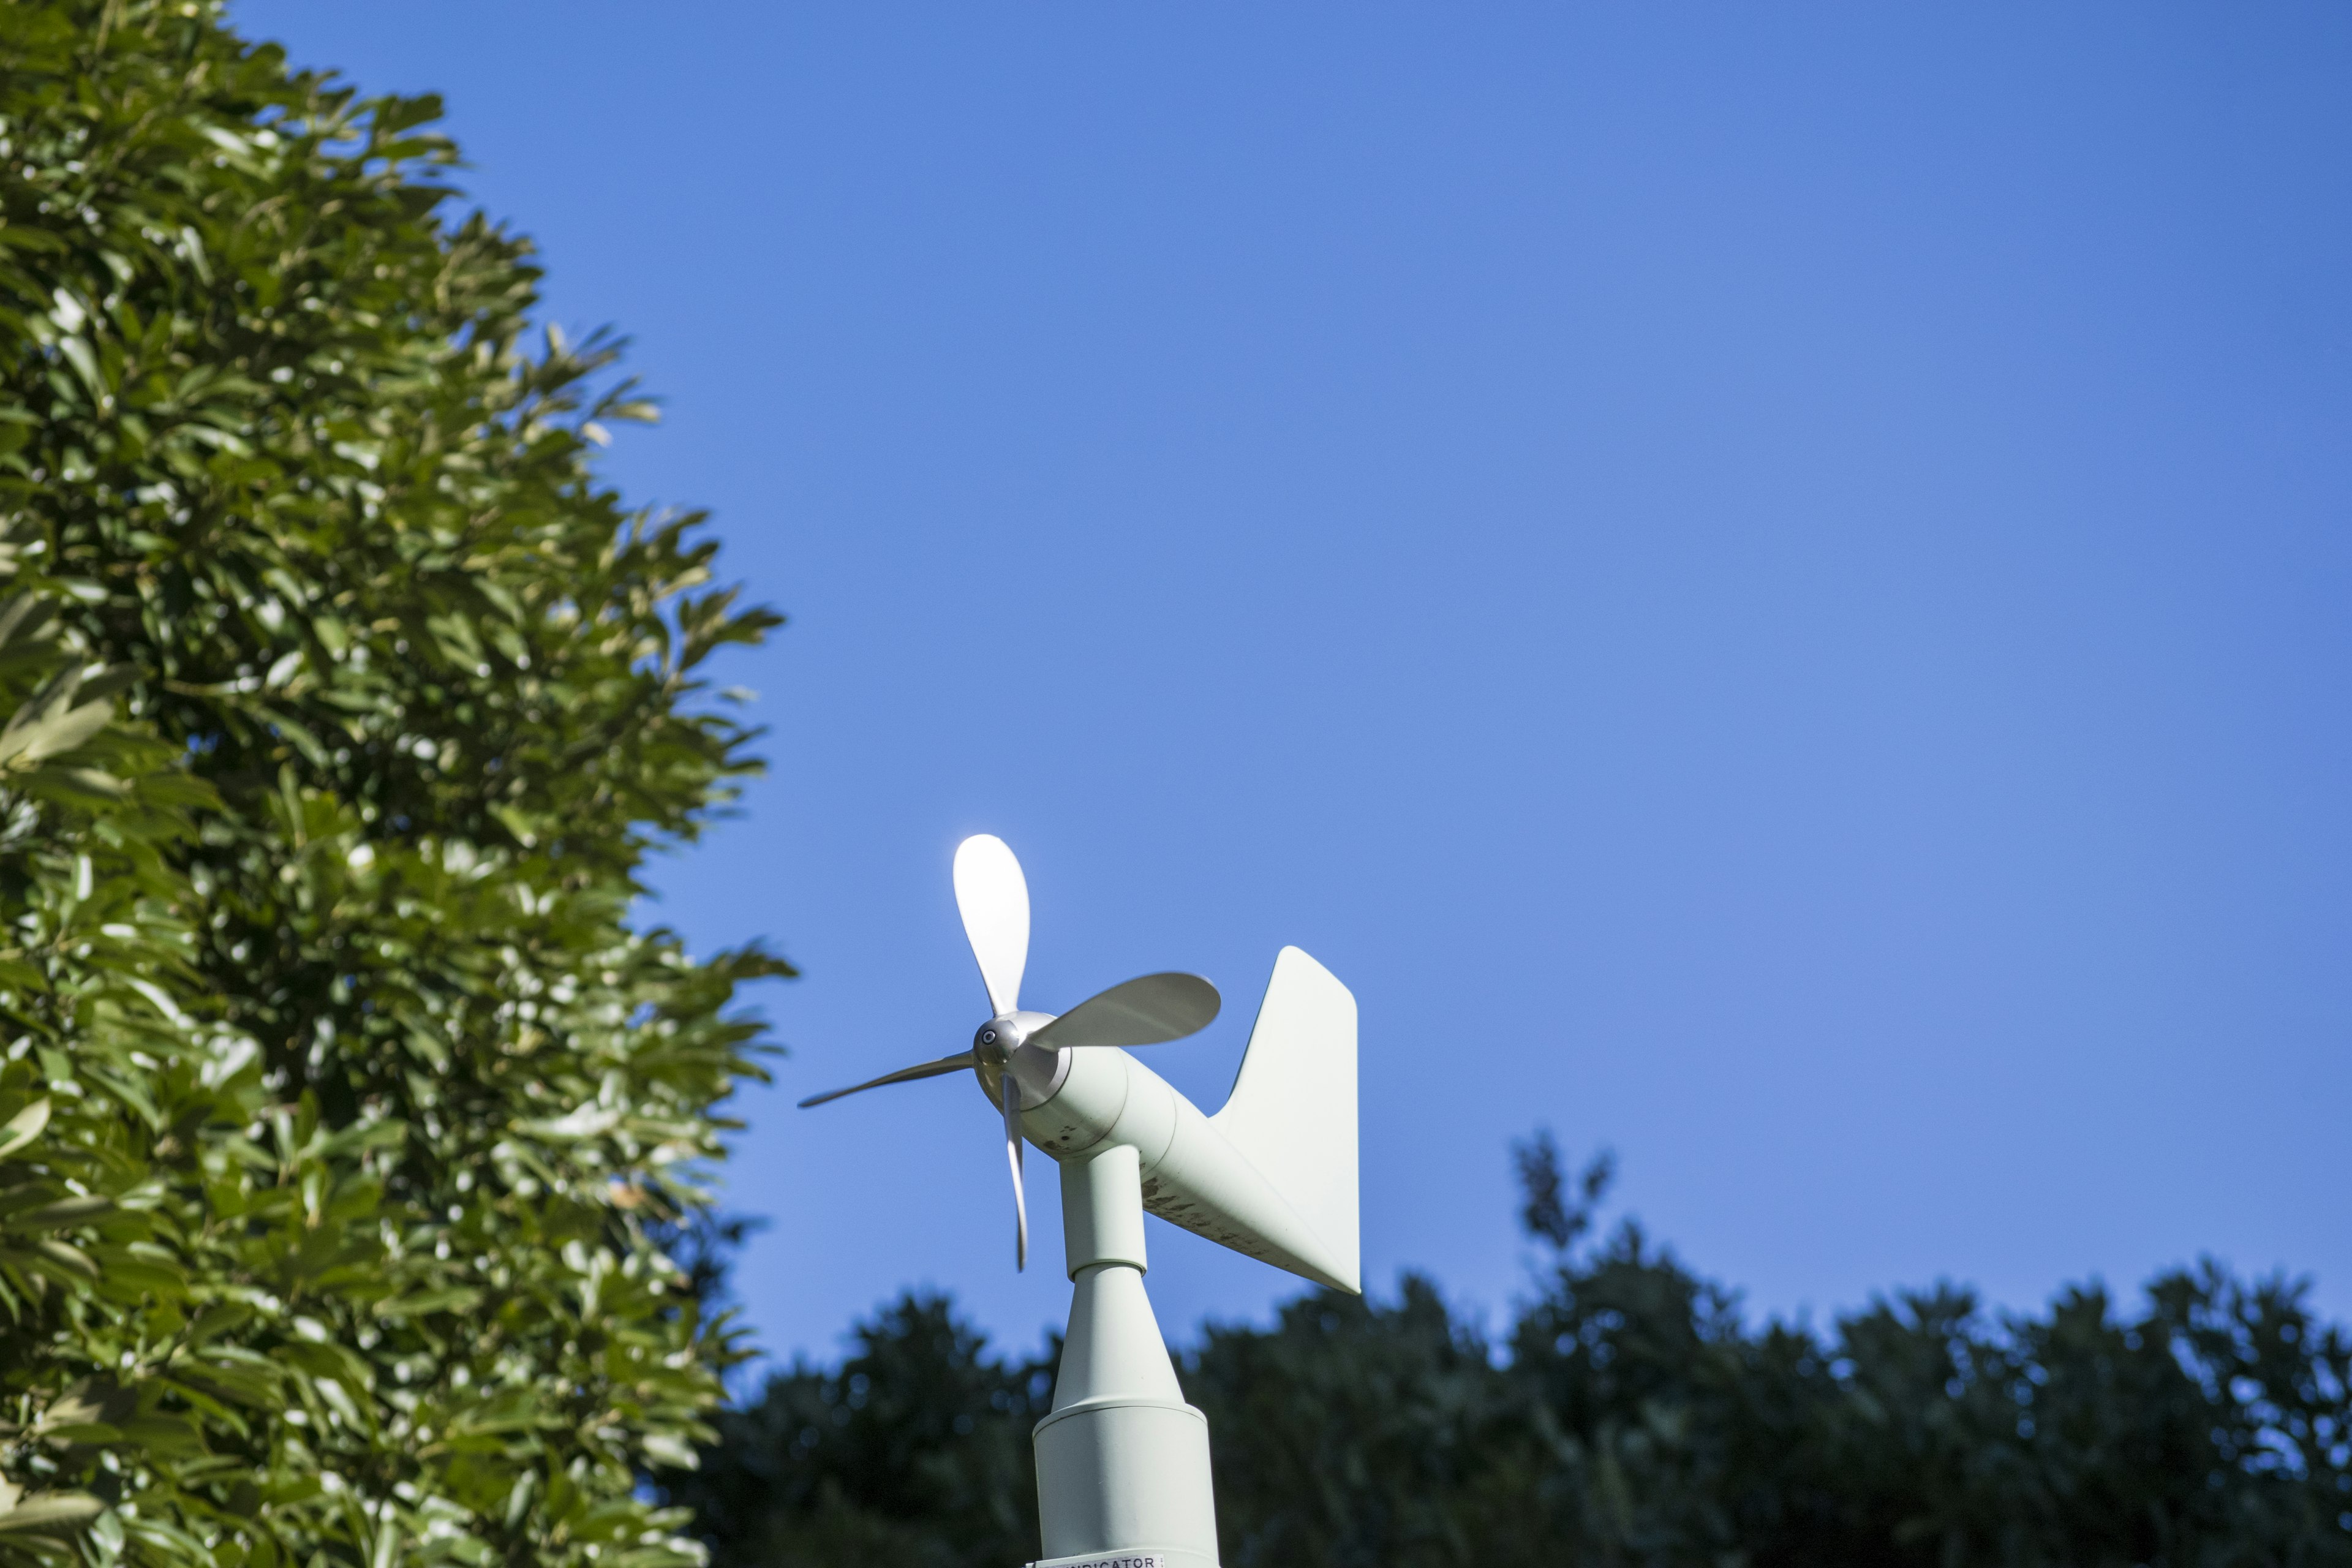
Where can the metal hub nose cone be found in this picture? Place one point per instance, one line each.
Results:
(998, 1038)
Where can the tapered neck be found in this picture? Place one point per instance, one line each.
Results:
(1114, 1349)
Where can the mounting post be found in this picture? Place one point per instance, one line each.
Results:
(1122, 1461)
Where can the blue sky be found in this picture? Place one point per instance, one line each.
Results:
(1768, 586)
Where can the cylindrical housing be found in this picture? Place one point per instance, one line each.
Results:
(1127, 1479)
(1192, 1175)
(1102, 1209)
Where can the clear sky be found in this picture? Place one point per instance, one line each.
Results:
(1766, 584)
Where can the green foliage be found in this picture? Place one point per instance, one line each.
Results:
(103, 1066)
(368, 1111)
(1629, 1416)
(914, 1452)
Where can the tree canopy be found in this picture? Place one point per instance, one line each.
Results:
(345, 1111)
(1630, 1415)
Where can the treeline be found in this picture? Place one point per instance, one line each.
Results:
(1630, 1416)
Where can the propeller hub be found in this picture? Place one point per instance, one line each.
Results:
(998, 1038)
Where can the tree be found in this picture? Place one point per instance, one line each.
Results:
(914, 1452)
(369, 1105)
(1631, 1416)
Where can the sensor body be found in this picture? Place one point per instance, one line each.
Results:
(1123, 1477)
(1122, 1461)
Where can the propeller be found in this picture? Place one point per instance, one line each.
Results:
(1008, 1094)
(994, 899)
(992, 896)
(1141, 1012)
(904, 1075)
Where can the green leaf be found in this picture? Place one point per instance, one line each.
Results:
(23, 1127)
(63, 1212)
(51, 1513)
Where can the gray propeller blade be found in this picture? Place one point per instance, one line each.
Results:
(904, 1075)
(1009, 1093)
(1139, 1011)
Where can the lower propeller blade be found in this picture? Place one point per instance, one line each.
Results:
(1009, 1092)
(1141, 1012)
(904, 1075)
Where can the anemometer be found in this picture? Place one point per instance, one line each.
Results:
(1122, 1461)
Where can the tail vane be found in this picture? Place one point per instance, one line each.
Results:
(1293, 1110)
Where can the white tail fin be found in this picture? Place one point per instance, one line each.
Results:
(1293, 1110)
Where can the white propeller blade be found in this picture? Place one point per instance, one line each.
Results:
(994, 899)
(1009, 1092)
(1141, 1012)
(904, 1075)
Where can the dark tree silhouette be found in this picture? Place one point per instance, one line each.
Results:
(1630, 1416)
